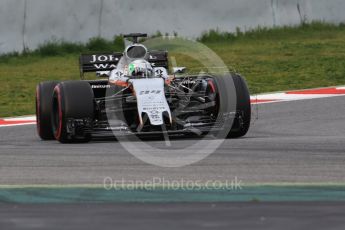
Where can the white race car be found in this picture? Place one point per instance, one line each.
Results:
(140, 97)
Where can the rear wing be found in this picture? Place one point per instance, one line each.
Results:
(98, 62)
(159, 59)
(109, 61)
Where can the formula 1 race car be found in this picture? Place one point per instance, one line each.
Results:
(140, 97)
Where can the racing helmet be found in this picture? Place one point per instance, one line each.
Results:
(140, 68)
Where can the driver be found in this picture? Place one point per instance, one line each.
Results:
(136, 69)
(140, 68)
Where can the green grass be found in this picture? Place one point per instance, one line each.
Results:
(306, 56)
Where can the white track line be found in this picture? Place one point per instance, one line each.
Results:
(276, 97)
(22, 118)
(12, 125)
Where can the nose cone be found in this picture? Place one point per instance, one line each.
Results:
(151, 100)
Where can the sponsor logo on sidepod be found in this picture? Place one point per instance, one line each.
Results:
(100, 86)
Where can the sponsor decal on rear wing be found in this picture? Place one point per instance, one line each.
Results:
(98, 62)
(158, 59)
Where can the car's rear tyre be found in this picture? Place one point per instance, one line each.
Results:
(44, 95)
(71, 100)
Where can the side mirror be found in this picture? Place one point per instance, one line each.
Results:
(179, 69)
(103, 73)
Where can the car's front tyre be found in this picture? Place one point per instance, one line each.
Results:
(241, 124)
(71, 100)
(233, 96)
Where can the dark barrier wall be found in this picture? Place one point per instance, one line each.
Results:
(31, 22)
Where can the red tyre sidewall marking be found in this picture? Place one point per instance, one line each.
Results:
(59, 130)
(38, 126)
(213, 88)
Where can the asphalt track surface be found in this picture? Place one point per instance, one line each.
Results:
(299, 142)
(263, 216)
